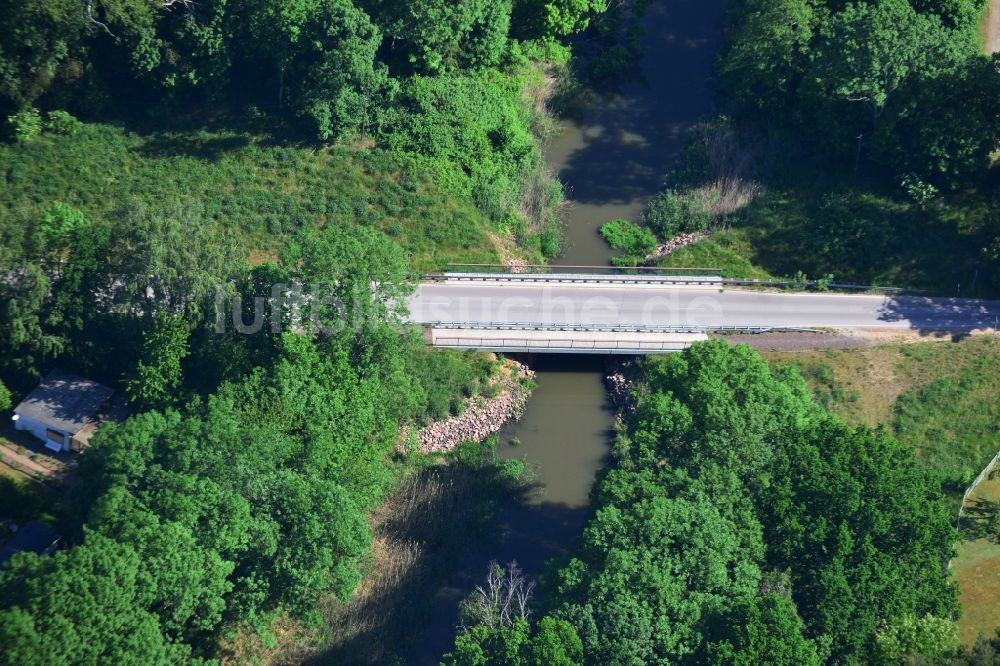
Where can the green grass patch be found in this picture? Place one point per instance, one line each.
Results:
(953, 421)
(447, 378)
(245, 183)
(939, 397)
(977, 571)
(727, 250)
(23, 499)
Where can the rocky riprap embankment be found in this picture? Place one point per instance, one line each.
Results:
(482, 416)
(619, 383)
(675, 243)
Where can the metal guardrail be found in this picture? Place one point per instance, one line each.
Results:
(564, 344)
(609, 328)
(810, 283)
(574, 278)
(968, 491)
(582, 269)
(638, 275)
(604, 328)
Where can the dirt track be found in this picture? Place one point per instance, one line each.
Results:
(991, 27)
(781, 341)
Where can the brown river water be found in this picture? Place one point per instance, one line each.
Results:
(611, 160)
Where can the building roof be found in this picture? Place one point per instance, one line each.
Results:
(64, 401)
(36, 537)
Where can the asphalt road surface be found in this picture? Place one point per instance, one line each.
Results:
(671, 305)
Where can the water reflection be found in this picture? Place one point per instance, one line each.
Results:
(565, 430)
(614, 158)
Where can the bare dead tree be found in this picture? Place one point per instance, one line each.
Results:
(502, 600)
(164, 4)
(92, 19)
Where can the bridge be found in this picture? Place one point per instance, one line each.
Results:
(567, 311)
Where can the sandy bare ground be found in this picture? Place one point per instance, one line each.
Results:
(851, 338)
(784, 341)
(991, 27)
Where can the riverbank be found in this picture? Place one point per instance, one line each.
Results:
(420, 535)
(482, 416)
(619, 379)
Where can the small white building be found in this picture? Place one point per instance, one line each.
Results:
(63, 411)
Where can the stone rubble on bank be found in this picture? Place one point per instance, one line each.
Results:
(518, 265)
(675, 243)
(619, 384)
(482, 416)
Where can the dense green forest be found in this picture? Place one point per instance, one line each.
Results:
(211, 506)
(174, 167)
(854, 139)
(742, 523)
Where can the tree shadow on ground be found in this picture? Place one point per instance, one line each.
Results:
(929, 316)
(433, 541)
(981, 520)
(529, 534)
(206, 147)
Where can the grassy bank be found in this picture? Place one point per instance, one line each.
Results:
(728, 250)
(872, 235)
(769, 218)
(917, 390)
(23, 499)
(247, 184)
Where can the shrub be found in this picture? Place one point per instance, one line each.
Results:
(904, 639)
(61, 122)
(26, 124)
(629, 237)
(627, 260)
(516, 472)
(473, 134)
(612, 63)
(671, 213)
(550, 241)
(919, 191)
(60, 222)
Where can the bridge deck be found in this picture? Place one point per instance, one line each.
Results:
(473, 309)
(576, 342)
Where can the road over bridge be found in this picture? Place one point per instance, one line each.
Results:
(643, 314)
